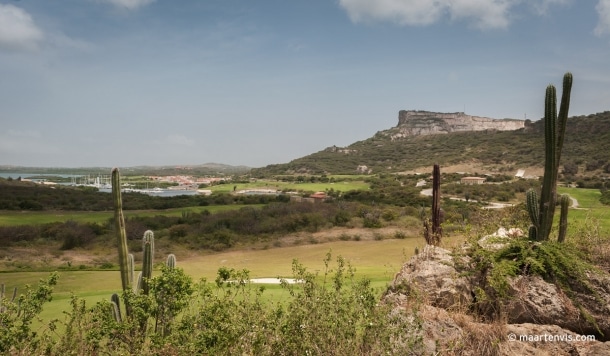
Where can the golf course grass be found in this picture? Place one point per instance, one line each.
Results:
(377, 260)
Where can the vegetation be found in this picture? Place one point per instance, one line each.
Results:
(507, 191)
(17, 314)
(542, 212)
(27, 196)
(605, 198)
(586, 153)
(567, 265)
(329, 314)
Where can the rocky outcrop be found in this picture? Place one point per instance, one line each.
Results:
(416, 123)
(434, 273)
(524, 323)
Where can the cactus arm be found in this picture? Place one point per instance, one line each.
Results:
(131, 269)
(119, 223)
(532, 207)
(563, 113)
(137, 286)
(115, 303)
(563, 217)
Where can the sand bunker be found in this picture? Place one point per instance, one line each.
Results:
(273, 280)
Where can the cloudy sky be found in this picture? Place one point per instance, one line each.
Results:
(243, 82)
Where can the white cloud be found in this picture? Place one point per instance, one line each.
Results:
(541, 6)
(129, 4)
(483, 14)
(17, 29)
(603, 10)
(403, 12)
(179, 140)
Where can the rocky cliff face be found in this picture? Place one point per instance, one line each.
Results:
(416, 123)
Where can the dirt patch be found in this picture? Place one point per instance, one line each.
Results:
(472, 168)
(50, 256)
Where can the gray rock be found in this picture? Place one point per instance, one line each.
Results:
(533, 307)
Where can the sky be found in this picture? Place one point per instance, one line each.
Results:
(118, 83)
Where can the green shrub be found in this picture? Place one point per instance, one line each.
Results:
(328, 314)
(17, 315)
(399, 234)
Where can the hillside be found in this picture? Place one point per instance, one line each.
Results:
(586, 151)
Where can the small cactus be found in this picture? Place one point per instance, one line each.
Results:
(171, 261)
(432, 228)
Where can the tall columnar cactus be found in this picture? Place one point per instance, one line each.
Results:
(432, 229)
(119, 225)
(147, 263)
(554, 133)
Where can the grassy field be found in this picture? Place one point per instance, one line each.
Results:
(590, 209)
(44, 217)
(378, 261)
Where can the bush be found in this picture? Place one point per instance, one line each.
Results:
(17, 315)
(333, 314)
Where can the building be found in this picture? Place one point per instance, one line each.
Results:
(472, 180)
(319, 196)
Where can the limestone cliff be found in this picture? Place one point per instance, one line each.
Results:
(416, 123)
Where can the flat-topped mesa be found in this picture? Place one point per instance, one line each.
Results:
(416, 123)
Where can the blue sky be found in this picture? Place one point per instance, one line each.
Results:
(243, 82)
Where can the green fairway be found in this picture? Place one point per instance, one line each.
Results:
(378, 261)
(43, 217)
(589, 209)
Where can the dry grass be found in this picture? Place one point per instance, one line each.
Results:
(476, 167)
(480, 338)
(459, 334)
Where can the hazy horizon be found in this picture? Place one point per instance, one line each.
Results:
(105, 83)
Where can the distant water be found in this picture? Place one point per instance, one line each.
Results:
(36, 176)
(162, 193)
(14, 175)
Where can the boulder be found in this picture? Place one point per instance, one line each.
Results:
(433, 273)
(438, 280)
(533, 300)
